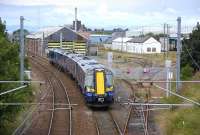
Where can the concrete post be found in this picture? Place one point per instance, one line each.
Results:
(21, 49)
(178, 54)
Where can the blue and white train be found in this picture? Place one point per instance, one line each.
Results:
(95, 81)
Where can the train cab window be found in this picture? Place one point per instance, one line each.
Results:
(89, 81)
(109, 80)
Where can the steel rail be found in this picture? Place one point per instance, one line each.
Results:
(125, 129)
(66, 93)
(96, 125)
(127, 121)
(53, 107)
(116, 124)
(53, 102)
(67, 96)
(26, 118)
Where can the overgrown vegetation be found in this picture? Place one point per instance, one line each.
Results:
(186, 72)
(190, 55)
(9, 70)
(185, 120)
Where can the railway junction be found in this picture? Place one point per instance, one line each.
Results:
(76, 94)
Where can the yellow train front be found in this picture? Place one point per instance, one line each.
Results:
(99, 88)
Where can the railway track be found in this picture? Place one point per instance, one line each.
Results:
(44, 102)
(83, 122)
(105, 123)
(137, 119)
(60, 120)
(104, 120)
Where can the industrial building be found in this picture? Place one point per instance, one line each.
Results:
(140, 45)
(56, 37)
(97, 39)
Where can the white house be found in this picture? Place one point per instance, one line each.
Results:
(120, 43)
(137, 45)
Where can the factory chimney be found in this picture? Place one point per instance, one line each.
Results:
(76, 19)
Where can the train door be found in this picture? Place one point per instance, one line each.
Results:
(100, 82)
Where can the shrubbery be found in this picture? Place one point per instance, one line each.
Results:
(186, 72)
(9, 70)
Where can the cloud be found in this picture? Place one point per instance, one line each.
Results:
(171, 10)
(48, 2)
(93, 13)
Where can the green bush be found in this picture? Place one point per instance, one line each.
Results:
(186, 72)
(9, 70)
(184, 122)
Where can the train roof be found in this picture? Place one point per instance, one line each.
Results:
(86, 63)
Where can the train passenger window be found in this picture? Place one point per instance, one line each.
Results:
(93, 63)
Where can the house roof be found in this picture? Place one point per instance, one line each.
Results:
(47, 31)
(99, 35)
(84, 34)
(139, 39)
(120, 39)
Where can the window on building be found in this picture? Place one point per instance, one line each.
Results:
(154, 49)
(148, 49)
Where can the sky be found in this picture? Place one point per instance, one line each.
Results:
(106, 14)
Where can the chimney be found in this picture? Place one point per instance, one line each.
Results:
(76, 19)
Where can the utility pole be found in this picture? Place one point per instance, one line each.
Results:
(122, 44)
(178, 53)
(61, 37)
(21, 49)
(168, 76)
(167, 39)
(164, 40)
(43, 44)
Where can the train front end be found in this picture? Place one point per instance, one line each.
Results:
(101, 92)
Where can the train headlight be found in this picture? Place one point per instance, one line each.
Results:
(89, 89)
(109, 88)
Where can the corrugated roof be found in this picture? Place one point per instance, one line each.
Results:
(47, 31)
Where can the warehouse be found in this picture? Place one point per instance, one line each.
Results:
(137, 45)
(97, 39)
(56, 37)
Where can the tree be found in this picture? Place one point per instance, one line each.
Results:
(3, 32)
(191, 50)
(9, 70)
(16, 35)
